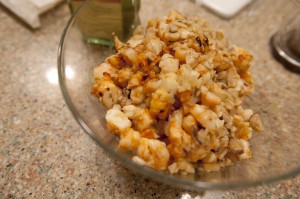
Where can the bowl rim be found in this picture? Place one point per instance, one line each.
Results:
(145, 171)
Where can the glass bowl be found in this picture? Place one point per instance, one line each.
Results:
(276, 96)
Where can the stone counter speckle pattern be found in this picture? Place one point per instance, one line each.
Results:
(43, 151)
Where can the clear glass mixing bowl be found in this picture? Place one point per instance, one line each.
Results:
(276, 97)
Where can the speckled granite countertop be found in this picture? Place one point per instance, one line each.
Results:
(43, 151)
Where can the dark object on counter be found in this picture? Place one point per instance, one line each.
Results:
(286, 44)
(284, 62)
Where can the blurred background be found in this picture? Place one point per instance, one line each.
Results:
(43, 151)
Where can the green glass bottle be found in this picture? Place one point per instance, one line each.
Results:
(98, 19)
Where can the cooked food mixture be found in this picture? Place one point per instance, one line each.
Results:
(174, 96)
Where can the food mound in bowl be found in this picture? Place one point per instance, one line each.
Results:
(174, 96)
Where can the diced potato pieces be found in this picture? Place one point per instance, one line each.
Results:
(191, 58)
(221, 154)
(151, 85)
(149, 133)
(118, 44)
(129, 139)
(182, 166)
(108, 93)
(176, 117)
(247, 154)
(115, 61)
(147, 60)
(246, 114)
(154, 153)
(188, 123)
(210, 158)
(117, 120)
(179, 140)
(173, 168)
(131, 110)
(103, 68)
(143, 120)
(207, 118)
(136, 159)
(187, 78)
(135, 80)
(185, 95)
(210, 99)
(242, 60)
(129, 54)
(224, 141)
(160, 103)
(255, 123)
(197, 153)
(168, 64)
(169, 83)
(111, 97)
(124, 76)
(211, 167)
(137, 95)
(135, 40)
(243, 131)
(198, 110)
(174, 96)
(180, 54)
(154, 45)
(236, 146)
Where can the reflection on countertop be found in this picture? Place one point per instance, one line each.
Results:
(43, 151)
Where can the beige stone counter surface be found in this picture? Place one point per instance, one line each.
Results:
(43, 151)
